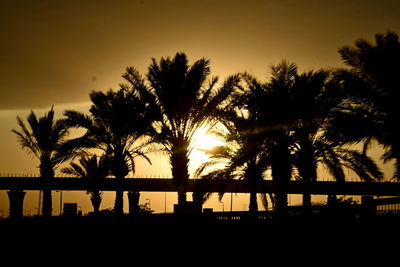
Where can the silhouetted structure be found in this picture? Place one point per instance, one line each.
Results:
(135, 185)
(70, 209)
(133, 199)
(16, 199)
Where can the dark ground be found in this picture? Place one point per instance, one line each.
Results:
(193, 239)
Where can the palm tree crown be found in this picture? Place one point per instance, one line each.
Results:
(182, 101)
(374, 85)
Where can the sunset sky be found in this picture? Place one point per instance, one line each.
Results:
(56, 52)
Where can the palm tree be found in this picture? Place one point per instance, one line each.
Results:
(372, 82)
(265, 130)
(272, 102)
(181, 101)
(117, 123)
(93, 169)
(43, 137)
(317, 99)
(242, 157)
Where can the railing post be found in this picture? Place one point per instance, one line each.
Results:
(16, 198)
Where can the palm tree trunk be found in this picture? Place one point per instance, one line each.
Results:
(119, 169)
(119, 201)
(281, 174)
(307, 168)
(180, 174)
(47, 174)
(252, 178)
(47, 208)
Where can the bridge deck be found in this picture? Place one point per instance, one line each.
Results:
(166, 185)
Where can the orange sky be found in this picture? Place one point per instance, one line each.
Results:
(56, 52)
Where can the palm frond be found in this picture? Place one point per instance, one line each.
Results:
(75, 170)
(396, 172)
(78, 119)
(362, 165)
(26, 138)
(330, 159)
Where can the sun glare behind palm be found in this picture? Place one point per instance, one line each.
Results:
(205, 140)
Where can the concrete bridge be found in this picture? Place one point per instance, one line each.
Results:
(16, 186)
(166, 185)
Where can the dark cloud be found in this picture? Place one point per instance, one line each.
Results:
(52, 52)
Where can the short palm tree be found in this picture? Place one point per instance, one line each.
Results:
(241, 158)
(117, 123)
(43, 137)
(93, 169)
(182, 101)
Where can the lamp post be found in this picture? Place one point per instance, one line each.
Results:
(231, 201)
(61, 202)
(165, 202)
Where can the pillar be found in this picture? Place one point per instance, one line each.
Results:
(133, 200)
(16, 199)
(368, 206)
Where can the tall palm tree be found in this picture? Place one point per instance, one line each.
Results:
(43, 137)
(266, 130)
(182, 101)
(116, 125)
(93, 169)
(372, 81)
(272, 102)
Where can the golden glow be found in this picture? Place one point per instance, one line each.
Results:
(205, 140)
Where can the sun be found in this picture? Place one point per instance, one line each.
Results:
(205, 140)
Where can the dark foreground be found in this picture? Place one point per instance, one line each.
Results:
(201, 226)
(172, 238)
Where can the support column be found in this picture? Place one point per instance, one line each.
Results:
(133, 199)
(16, 199)
(368, 206)
(197, 205)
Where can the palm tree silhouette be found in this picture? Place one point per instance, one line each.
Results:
(317, 98)
(373, 84)
(43, 137)
(181, 102)
(272, 104)
(116, 125)
(93, 169)
(242, 157)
